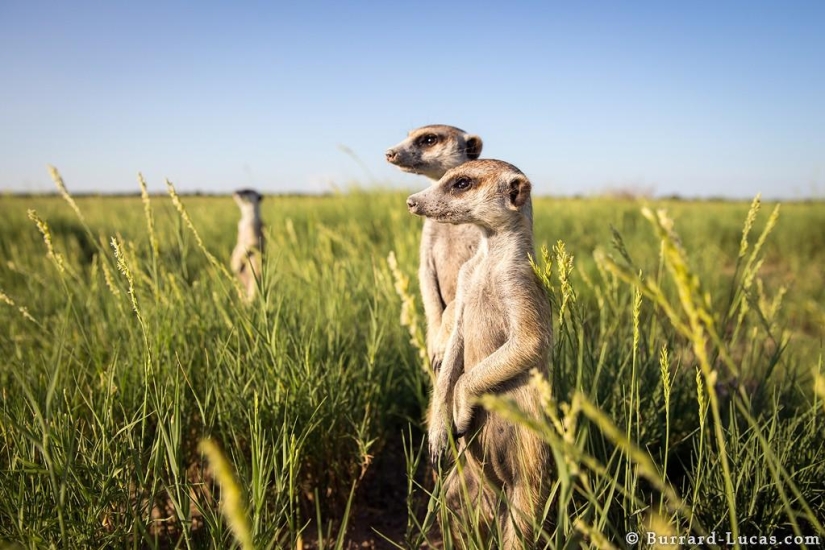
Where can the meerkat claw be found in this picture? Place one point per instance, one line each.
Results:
(436, 456)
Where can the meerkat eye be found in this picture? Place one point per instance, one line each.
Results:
(462, 184)
(428, 140)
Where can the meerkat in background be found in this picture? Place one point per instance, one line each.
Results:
(431, 151)
(248, 254)
(502, 331)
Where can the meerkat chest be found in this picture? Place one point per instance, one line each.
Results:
(249, 233)
(450, 246)
(485, 320)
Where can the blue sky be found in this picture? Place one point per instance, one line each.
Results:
(695, 98)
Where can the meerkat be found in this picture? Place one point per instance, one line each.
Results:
(431, 151)
(248, 254)
(502, 331)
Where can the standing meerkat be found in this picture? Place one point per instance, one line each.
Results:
(431, 151)
(247, 257)
(502, 331)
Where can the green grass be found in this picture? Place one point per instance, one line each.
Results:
(118, 367)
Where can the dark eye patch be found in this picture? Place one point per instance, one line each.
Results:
(462, 184)
(427, 140)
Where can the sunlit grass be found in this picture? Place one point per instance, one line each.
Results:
(684, 345)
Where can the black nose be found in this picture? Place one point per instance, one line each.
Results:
(411, 203)
(391, 154)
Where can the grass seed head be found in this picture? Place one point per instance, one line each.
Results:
(232, 502)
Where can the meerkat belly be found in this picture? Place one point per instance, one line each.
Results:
(249, 242)
(501, 444)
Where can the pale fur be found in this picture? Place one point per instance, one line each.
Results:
(502, 331)
(444, 247)
(247, 256)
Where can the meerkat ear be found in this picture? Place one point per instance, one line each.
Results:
(519, 192)
(473, 147)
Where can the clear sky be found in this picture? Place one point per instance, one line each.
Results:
(695, 98)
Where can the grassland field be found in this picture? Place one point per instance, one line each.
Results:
(685, 398)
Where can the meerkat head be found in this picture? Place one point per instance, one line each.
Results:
(489, 193)
(247, 199)
(432, 150)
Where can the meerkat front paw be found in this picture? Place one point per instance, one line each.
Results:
(438, 434)
(439, 347)
(439, 336)
(436, 359)
(438, 437)
(463, 404)
(434, 353)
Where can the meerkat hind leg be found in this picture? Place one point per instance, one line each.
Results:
(474, 504)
